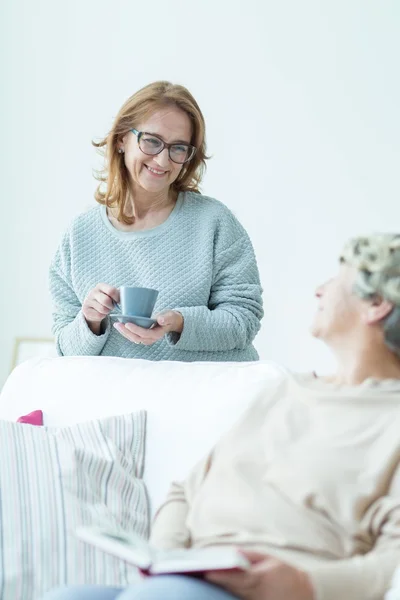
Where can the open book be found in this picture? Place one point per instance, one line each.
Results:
(140, 553)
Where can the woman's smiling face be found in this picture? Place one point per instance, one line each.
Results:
(155, 174)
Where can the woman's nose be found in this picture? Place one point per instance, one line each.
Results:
(320, 291)
(163, 158)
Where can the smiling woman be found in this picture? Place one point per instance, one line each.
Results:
(154, 229)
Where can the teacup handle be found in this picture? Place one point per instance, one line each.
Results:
(117, 306)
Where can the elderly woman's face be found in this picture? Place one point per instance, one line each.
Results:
(156, 173)
(340, 311)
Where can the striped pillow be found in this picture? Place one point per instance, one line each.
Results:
(52, 481)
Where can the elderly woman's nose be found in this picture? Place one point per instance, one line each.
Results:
(320, 290)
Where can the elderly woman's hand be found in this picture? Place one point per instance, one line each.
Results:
(267, 579)
(167, 322)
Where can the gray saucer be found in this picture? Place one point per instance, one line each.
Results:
(145, 322)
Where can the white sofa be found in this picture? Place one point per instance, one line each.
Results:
(189, 405)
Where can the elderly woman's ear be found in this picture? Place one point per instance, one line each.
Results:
(377, 310)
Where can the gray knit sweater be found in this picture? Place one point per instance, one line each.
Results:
(200, 259)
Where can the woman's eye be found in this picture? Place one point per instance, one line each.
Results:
(180, 149)
(152, 142)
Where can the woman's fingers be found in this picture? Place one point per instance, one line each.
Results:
(99, 307)
(109, 290)
(139, 335)
(106, 301)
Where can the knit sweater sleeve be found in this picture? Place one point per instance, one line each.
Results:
(72, 334)
(368, 576)
(232, 318)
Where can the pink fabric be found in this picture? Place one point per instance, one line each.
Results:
(33, 418)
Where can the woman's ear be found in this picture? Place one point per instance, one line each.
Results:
(121, 143)
(377, 310)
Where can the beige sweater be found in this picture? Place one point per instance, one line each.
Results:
(309, 474)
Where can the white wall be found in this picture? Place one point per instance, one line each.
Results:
(302, 104)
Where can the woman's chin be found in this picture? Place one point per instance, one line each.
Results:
(153, 186)
(315, 330)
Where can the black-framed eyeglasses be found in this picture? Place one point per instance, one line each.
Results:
(151, 145)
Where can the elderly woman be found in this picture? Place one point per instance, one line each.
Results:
(307, 484)
(152, 228)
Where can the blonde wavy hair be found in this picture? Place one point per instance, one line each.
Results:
(113, 190)
(377, 260)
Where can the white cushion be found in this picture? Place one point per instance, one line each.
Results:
(53, 481)
(189, 405)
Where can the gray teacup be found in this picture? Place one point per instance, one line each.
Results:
(137, 301)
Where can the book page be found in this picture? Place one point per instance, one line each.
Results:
(198, 560)
(135, 550)
(128, 546)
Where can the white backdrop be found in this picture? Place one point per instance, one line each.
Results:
(301, 100)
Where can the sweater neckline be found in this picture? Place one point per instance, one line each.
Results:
(314, 387)
(132, 235)
(317, 386)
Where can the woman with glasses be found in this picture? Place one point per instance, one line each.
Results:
(152, 228)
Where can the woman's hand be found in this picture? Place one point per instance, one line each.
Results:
(267, 579)
(170, 321)
(98, 304)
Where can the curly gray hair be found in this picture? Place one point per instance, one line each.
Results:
(377, 259)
